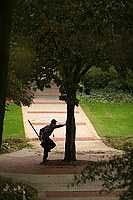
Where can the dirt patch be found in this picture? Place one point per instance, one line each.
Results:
(63, 163)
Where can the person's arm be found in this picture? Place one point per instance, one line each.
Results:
(59, 125)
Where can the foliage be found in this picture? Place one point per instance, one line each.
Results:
(73, 36)
(105, 96)
(60, 46)
(20, 75)
(22, 57)
(109, 79)
(14, 144)
(118, 142)
(116, 173)
(10, 190)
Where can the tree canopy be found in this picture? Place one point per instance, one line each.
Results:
(69, 33)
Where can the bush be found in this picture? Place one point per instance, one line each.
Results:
(101, 95)
(10, 190)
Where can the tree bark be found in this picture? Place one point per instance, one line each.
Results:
(6, 10)
(70, 148)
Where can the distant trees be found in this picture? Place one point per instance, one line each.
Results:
(108, 79)
(117, 70)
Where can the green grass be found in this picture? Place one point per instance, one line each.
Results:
(13, 123)
(110, 119)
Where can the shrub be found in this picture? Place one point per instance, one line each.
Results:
(10, 190)
(101, 95)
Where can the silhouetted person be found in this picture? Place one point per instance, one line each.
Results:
(47, 143)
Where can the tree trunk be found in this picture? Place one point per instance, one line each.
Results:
(6, 9)
(70, 134)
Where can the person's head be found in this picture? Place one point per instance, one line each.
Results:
(53, 121)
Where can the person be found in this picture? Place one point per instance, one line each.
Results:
(47, 143)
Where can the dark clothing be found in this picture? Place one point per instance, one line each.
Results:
(47, 130)
(45, 155)
(47, 143)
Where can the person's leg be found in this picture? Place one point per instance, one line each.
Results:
(49, 144)
(45, 155)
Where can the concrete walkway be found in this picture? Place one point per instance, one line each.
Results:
(47, 106)
(51, 180)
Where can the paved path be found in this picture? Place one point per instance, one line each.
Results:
(47, 106)
(51, 180)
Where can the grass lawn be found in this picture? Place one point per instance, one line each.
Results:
(110, 119)
(13, 123)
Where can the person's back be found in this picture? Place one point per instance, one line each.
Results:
(48, 129)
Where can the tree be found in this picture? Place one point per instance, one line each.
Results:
(67, 46)
(6, 10)
(72, 36)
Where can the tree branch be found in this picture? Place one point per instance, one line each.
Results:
(86, 68)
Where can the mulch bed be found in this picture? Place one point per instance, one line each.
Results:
(31, 165)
